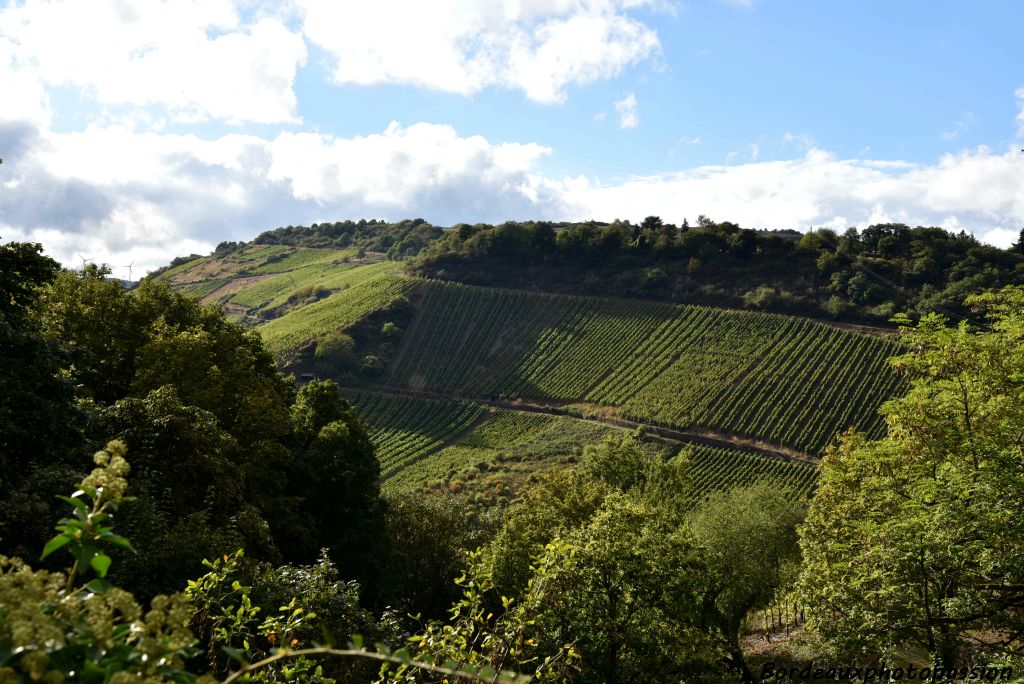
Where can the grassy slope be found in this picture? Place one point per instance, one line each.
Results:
(276, 289)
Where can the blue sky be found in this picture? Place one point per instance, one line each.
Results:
(137, 130)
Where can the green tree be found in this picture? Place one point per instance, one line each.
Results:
(917, 538)
(430, 535)
(748, 542)
(335, 478)
(38, 421)
(630, 597)
(560, 502)
(336, 352)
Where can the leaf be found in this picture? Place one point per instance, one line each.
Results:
(117, 540)
(77, 503)
(356, 643)
(98, 586)
(100, 563)
(54, 544)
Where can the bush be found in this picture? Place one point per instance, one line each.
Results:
(336, 350)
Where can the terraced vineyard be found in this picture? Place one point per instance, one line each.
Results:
(785, 380)
(277, 289)
(336, 312)
(509, 441)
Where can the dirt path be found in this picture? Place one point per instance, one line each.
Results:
(695, 436)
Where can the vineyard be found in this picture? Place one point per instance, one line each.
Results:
(405, 429)
(761, 378)
(278, 289)
(458, 445)
(337, 312)
(785, 380)
(713, 469)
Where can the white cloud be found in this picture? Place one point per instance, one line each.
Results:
(197, 58)
(24, 97)
(119, 195)
(462, 46)
(978, 190)
(626, 107)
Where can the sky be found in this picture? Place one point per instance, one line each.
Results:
(134, 131)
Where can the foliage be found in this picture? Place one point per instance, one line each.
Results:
(125, 343)
(522, 636)
(399, 240)
(55, 626)
(209, 416)
(631, 597)
(749, 545)
(557, 503)
(864, 274)
(38, 420)
(190, 490)
(335, 478)
(335, 351)
(916, 538)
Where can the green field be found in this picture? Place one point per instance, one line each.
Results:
(277, 289)
(337, 312)
(681, 366)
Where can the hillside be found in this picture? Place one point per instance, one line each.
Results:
(476, 388)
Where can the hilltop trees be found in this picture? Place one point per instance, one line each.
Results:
(917, 538)
(867, 275)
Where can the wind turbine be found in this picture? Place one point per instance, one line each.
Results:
(129, 267)
(84, 259)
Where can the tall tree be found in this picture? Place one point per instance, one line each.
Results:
(917, 538)
(37, 416)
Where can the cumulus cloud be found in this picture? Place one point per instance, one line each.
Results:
(196, 58)
(977, 189)
(462, 46)
(626, 107)
(116, 195)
